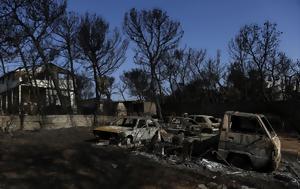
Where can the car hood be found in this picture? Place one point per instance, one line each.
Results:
(112, 129)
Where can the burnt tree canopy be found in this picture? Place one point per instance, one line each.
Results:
(66, 36)
(154, 33)
(102, 50)
(32, 23)
(138, 82)
(255, 48)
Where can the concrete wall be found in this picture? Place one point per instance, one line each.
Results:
(13, 123)
(150, 108)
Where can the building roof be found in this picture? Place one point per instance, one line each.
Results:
(20, 68)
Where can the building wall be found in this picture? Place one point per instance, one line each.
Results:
(150, 108)
(13, 123)
(12, 98)
(19, 94)
(9, 83)
(140, 107)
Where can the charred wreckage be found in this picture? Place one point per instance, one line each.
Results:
(245, 140)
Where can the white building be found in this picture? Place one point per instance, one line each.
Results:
(19, 92)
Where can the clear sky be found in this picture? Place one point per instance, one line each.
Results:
(208, 24)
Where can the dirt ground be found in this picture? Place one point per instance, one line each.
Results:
(290, 144)
(69, 158)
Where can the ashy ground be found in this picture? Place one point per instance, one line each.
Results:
(69, 158)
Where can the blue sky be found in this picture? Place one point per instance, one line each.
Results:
(208, 24)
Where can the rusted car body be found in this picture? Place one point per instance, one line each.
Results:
(249, 139)
(128, 129)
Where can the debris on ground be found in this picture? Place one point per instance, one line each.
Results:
(219, 169)
(190, 153)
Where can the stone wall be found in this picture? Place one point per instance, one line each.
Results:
(13, 122)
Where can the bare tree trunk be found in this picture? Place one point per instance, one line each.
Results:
(98, 98)
(53, 77)
(4, 72)
(73, 78)
(68, 91)
(32, 81)
(155, 96)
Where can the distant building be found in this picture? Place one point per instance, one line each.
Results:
(137, 107)
(19, 94)
(118, 108)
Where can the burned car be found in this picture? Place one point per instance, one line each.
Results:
(248, 139)
(128, 129)
(207, 120)
(187, 126)
(245, 140)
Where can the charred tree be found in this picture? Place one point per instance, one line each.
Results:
(103, 51)
(67, 32)
(154, 33)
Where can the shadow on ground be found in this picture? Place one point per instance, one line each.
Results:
(66, 158)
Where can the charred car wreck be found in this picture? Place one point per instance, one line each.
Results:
(127, 130)
(249, 140)
(187, 126)
(207, 121)
(244, 140)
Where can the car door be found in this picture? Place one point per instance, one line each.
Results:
(192, 125)
(152, 128)
(142, 130)
(201, 121)
(246, 135)
(146, 129)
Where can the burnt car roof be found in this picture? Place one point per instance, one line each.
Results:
(243, 113)
(136, 117)
(200, 115)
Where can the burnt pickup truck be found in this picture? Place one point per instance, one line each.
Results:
(249, 139)
(245, 140)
